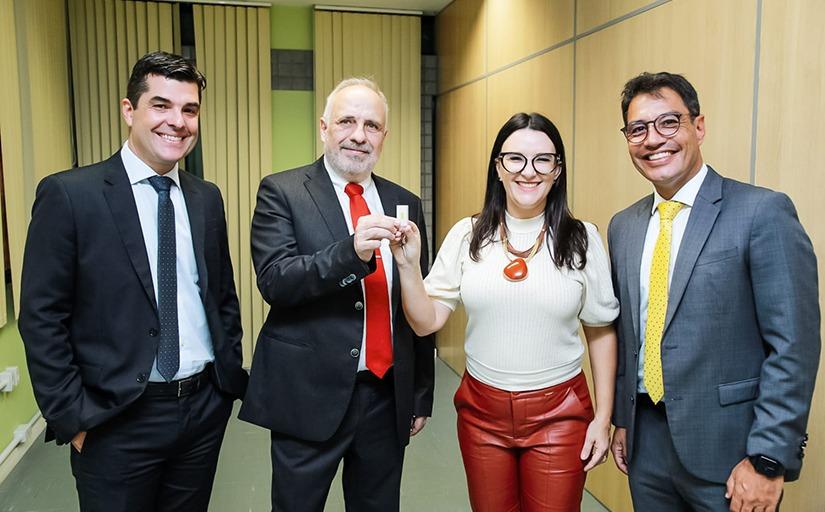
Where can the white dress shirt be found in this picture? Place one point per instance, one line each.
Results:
(194, 338)
(687, 196)
(374, 203)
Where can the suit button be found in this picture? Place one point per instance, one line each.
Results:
(153, 332)
(141, 378)
(632, 398)
(359, 306)
(354, 352)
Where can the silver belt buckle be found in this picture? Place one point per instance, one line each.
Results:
(180, 386)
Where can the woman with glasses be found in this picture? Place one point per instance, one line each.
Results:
(528, 274)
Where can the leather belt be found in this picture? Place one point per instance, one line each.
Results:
(643, 399)
(178, 388)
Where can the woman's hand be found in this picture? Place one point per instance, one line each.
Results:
(406, 251)
(596, 443)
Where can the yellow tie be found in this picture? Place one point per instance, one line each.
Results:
(657, 301)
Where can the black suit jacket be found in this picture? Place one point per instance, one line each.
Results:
(88, 315)
(303, 372)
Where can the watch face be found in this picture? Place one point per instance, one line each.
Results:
(767, 466)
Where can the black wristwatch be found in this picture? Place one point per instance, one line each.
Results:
(767, 466)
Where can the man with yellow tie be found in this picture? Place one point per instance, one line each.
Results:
(719, 331)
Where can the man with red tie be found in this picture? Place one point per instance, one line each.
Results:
(337, 373)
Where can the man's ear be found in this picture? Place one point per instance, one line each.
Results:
(699, 126)
(127, 110)
(322, 128)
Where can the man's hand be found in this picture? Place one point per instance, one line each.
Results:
(749, 491)
(77, 441)
(417, 424)
(619, 449)
(371, 230)
(596, 444)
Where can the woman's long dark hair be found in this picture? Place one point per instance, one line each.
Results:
(569, 236)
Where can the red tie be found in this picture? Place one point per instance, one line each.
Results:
(379, 339)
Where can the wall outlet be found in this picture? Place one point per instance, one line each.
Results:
(6, 382)
(15, 375)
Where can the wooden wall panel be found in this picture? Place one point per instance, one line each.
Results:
(461, 42)
(703, 39)
(518, 28)
(592, 13)
(463, 150)
(543, 84)
(790, 139)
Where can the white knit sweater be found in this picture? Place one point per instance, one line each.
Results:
(522, 335)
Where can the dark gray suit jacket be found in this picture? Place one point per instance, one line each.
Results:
(740, 350)
(303, 371)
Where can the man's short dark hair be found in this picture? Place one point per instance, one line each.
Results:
(167, 65)
(651, 83)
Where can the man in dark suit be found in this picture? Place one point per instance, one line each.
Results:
(128, 308)
(719, 330)
(337, 372)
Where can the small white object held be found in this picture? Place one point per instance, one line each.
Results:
(402, 213)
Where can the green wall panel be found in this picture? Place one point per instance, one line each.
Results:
(293, 112)
(291, 27)
(293, 129)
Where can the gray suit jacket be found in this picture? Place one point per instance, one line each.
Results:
(741, 344)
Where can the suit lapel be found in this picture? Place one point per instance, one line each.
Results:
(196, 212)
(118, 194)
(389, 201)
(702, 217)
(635, 247)
(323, 195)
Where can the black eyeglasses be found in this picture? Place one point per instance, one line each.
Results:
(543, 163)
(666, 125)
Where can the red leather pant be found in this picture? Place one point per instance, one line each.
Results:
(521, 449)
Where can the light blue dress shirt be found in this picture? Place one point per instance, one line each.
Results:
(195, 341)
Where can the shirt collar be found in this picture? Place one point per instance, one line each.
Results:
(685, 195)
(138, 170)
(339, 182)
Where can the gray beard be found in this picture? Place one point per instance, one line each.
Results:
(348, 169)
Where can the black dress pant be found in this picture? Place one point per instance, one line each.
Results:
(302, 471)
(159, 455)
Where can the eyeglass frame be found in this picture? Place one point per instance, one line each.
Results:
(556, 158)
(647, 124)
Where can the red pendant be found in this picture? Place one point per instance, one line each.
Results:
(516, 270)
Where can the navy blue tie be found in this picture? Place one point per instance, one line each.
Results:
(168, 346)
